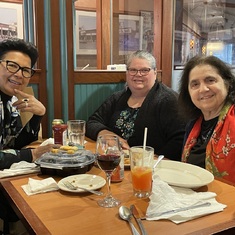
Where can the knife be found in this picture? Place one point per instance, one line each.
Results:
(138, 219)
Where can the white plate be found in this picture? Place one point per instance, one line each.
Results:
(183, 174)
(83, 180)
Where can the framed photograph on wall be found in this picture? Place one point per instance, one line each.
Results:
(11, 20)
(130, 33)
(148, 35)
(85, 32)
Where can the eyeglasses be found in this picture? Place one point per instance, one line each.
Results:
(13, 67)
(143, 72)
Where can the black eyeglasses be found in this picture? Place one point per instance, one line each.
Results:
(13, 67)
(143, 72)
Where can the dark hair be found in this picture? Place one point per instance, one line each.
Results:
(16, 44)
(187, 108)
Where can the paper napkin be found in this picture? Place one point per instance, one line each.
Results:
(40, 186)
(47, 141)
(20, 168)
(179, 204)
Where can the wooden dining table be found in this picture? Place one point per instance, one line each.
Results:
(61, 212)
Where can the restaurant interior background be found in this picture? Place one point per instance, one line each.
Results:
(77, 40)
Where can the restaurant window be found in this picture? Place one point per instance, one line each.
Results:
(131, 29)
(204, 28)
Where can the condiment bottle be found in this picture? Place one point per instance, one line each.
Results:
(118, 174)
(60, 134)
(56, 122)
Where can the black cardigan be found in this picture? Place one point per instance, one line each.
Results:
(159, 113)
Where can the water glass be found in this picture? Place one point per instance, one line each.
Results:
(76, 132)
(141, 162)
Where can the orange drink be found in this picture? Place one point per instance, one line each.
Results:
(141, 170)
(142, 178)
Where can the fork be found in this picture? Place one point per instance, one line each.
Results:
(72, 187)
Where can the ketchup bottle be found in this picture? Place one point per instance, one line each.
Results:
(60, 134)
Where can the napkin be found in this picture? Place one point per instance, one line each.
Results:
(20, 168)
(179, 204)
(40, 186)
(47, 141)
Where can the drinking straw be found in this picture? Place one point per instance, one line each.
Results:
(145, 137)
(144, 143)
(85, 67)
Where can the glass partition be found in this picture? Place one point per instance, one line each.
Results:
(204, 28)
(121, 27)
(85, 35)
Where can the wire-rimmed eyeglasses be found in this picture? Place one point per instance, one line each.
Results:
(143, 72)
(13, 67)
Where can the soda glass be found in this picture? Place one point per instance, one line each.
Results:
(141, 170)
(108, 157)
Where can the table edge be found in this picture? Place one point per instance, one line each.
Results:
(27, 216)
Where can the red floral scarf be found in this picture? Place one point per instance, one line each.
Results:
(220, 150)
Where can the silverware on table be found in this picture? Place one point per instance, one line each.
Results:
(138, 219)
(72, 187)
(125, 214)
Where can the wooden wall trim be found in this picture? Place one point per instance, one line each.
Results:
(167, 26)
(40, 75)
(70, 44)
(56, 57)
(158, 32)
(96, 77)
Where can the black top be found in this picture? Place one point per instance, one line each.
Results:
(13, 137)
(198, 152)
(158, 113)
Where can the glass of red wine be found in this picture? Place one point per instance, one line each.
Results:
(108, 157)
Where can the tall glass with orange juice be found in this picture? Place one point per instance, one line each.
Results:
(141, 170)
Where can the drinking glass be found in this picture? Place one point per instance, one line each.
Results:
(141, 170)
(76, 132)
(108, 157)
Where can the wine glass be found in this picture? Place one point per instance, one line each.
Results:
(108, 157)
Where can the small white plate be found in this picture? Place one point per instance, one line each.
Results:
(183, 174)
(83, 180)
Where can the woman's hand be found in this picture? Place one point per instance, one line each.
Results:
(37, 152)
(29, 103)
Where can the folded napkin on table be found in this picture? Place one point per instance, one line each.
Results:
(40, 186)
(20, 168)
(179, 204)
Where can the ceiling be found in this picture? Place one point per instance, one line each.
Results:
(212, 15)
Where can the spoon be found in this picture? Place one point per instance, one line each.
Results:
(158, 160)
(125, 214)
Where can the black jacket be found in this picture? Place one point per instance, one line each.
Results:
(159, 113)
(11, 152)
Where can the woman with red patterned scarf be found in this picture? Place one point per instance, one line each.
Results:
(207, 99)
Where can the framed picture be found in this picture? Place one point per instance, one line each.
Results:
(148, 35)
(130, 33)
(11, 20)
(85, 32)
